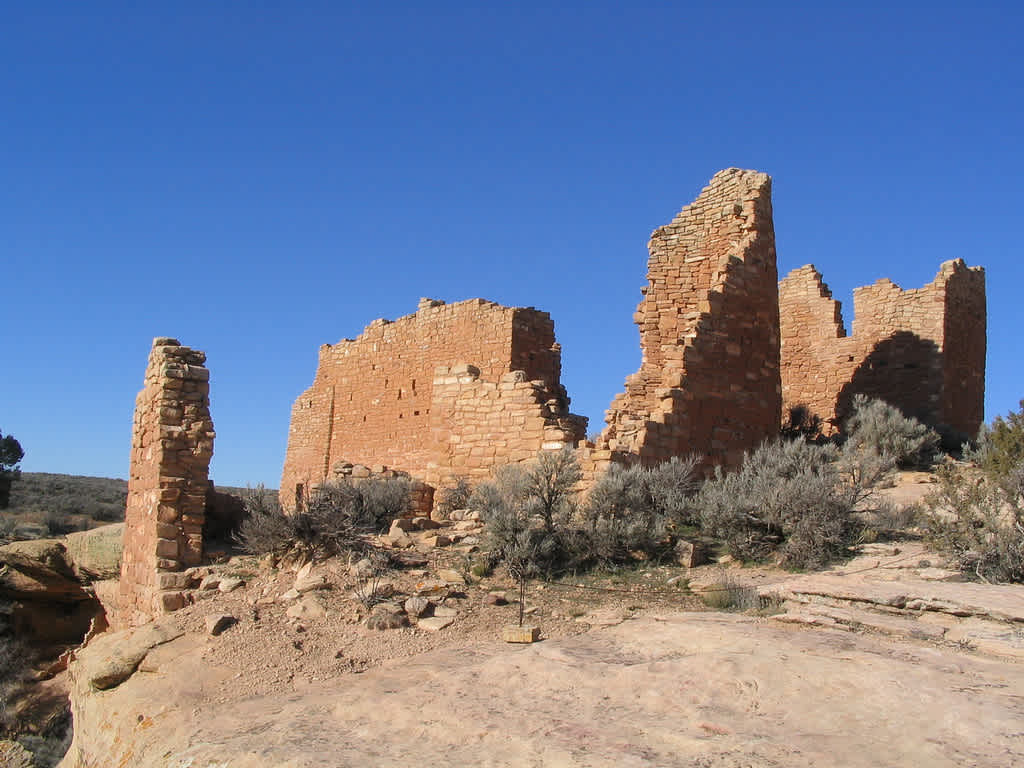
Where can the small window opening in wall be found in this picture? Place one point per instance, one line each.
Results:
(399, 415)
(415, 413)
(364, 418)
(414, 386)
(385, 383)
(399, 393)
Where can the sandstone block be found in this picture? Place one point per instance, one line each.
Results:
(524, 634)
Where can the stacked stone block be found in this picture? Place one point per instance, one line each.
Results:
(479, 424)
(373, 400)
(921, 350)
(709, 332)
(172, 444)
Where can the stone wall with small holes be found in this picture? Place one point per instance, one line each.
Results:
(379, 399)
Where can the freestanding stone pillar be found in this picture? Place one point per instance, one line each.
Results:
(172, 444)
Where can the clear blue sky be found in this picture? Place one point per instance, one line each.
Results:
(259, 178)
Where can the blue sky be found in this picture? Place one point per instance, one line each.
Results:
(257, 179)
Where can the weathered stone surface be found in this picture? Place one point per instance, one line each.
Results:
(96, 554)
(113, 657)
(921, 350)
(172, 443)
(307, 608)
(417, 606)
(517, 634)
(387, 616)
(676, 690)
(709, 331)
(428, 393)
(435, 623)
(230, 583)
(217, 623)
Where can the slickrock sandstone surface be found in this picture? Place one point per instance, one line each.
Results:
(709, 331)
(681, 689)
(922, 350)
(172, 444)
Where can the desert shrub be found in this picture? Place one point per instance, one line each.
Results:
(791, 499)
(265, 528)
(728, 594)
(876, 425)
(1000, 447)
(979, 521)
(336, 519)
(58, 523)
(381, 500)
(527, 510)
(454, 497)
(631, 509)
(802, 424)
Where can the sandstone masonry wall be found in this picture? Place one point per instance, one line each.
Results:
(480, 424)
(921, 350)
(709, 331)
(376, 399)
(172, 444)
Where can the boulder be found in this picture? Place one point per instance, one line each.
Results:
(217, 623)
(387, 616)
(113, 657)
(96, 554)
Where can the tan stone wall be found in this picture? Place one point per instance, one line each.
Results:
(172, 444)
(479, 425)
(373, 401)
(709, 331)
(922, 350)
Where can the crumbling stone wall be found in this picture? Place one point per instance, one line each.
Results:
(172, 444)
(709, 332)
(480, 424)
(376, 400)
(921, 350)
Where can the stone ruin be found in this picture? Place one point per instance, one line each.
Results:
(453, 389)
(172, 444)
(709, 332)
(459, 389)
(921, 350)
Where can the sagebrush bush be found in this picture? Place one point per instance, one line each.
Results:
(631, 509)
(876, 425)
(337, 517)
(979, 521)
(1000, 447)
(527, 510)
(790, 499)
(454, 497)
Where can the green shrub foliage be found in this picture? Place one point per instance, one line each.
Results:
(979, 521)
(1000, 447)
(790, 499)
(875, 425)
